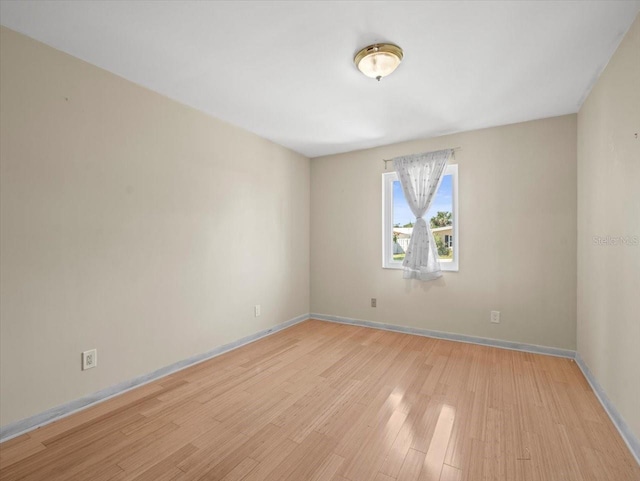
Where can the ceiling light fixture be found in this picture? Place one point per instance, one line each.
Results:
(378, 60)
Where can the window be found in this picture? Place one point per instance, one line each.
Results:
(442, 217)
(448, 240)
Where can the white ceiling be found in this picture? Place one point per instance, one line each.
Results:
(284, 70)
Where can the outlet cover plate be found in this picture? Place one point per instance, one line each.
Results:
(495, 317)
(89, 359)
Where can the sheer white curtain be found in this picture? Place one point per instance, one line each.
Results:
(420, 176)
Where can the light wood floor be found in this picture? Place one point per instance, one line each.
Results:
(322, 401)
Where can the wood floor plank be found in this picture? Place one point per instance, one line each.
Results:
(112, 454)
(328, 402)
(247, 450)
(271, 460)
(19, 448)
(412, 466)
(243, 468)
(166, 466)
(305, 460)
(381, 477)
(367, 460)
(434, 459)
(449, 473)
(399, 449)
(329, 468)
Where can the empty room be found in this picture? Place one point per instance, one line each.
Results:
(319, 240)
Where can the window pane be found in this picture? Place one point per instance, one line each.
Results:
(402, 222)
(439, 217)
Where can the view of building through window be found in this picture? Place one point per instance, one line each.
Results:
(439, 217)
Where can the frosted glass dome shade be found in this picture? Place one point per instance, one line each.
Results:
(378, 60)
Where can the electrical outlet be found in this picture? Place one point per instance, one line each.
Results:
(89, 359)
(374, 302)
(257, 310)
(495, 317)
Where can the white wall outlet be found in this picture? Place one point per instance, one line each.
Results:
(256, 310)
(495, 317)
(374, 302)
(89, 359)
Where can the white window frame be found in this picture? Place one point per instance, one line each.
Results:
(388, 179)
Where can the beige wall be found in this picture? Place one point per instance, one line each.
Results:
(134, 225)
(515, 183)
(609, 205)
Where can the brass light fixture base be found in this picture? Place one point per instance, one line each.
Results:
(378, 60)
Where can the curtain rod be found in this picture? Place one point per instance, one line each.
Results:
(391, 160)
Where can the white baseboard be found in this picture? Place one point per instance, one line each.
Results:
(516, 346)
(22, 426)
(616, 418)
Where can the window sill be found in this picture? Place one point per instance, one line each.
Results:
(448, 267)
